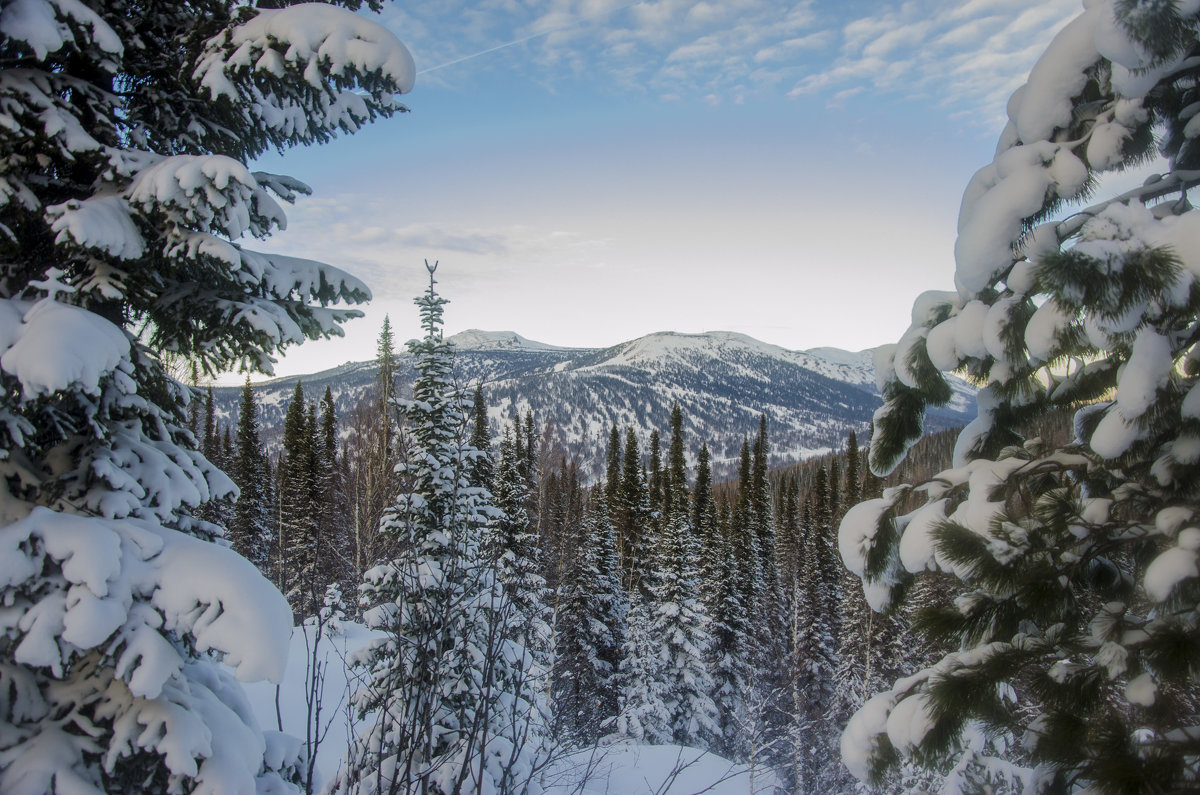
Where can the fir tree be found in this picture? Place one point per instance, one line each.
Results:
(126, 202)
(514, 552)
(250, 530)
(630, 513)
(451, 695)
(589, 632)
(335, 538)
(387, 366)
(612, 470)
(297, 544)
(481, 440)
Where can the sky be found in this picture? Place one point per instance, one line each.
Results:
(590, 171)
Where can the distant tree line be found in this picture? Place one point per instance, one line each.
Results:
(654, 604)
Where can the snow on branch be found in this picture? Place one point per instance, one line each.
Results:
(47, 26)
(307, 70)
(57, 347)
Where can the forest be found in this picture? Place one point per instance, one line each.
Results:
(1011, 608)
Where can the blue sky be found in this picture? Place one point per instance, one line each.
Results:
(588, 171)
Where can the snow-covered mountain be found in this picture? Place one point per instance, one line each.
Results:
(722, 380)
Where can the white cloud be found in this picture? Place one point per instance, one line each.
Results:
(969, 55)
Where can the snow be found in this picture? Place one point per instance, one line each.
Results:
(317, 33)
(1148, 370)
(857, 531)
(199, 584)
(1141, 690)
(58, 346)
(101, 222)
(968, 329)
(630, 769)
(45, 26)
(1041, 334)
(909, 722)
(476, 339)
(998, 197)
(1166, 571)
(916, 545)
(1114, 434)
(620, 768)
(1057, 77)
(208, 192)
(940, 346)
(859, 736)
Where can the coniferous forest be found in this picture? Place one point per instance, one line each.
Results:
(1009, 607)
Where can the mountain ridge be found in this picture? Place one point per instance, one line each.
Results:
(722, 380)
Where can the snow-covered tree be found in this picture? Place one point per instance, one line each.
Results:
(680, 627)
(450, 694)
(251, 532)
(512, 547)
(589, 631)
(124, 197)
(1075, 567)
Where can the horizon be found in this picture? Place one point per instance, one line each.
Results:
(599, 171)
(227, 380)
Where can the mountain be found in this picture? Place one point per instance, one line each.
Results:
(722, 380)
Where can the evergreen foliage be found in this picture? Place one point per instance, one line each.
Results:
(589, 632)
(251, 528)
(451, 694)
(1071, 567)
(126, 199)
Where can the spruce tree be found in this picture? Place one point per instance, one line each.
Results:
(336, 541)
(612, 470)
(450, 694)
(387, 366)
(297, 544)
(250, 531)
(630, 513)
(481, 440)
(815, 611)
(513, 550)
(589, 632)
(126, 204)
(1073, 567)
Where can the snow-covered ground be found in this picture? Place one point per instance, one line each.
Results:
(621, 769)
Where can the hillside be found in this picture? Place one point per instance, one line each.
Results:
(722, 380)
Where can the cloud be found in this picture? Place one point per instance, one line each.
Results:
(969, 55)
(699, 50)
(362, 236)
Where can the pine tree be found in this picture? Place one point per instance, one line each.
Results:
(679, 627)
(815, 650)
(630, 513)
(612, 470)
(481, 440)
(451, 697)
(298, 528)
(1073, 566)
(514, 552)
(125, 206)
(387, 366)
(336, 540)
(727, 657)
(250, 531)
(589, 632)
(703, 511)
(854, 482)
(744, 541)
(369, 458)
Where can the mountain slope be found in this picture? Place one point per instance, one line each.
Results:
(723, 382)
